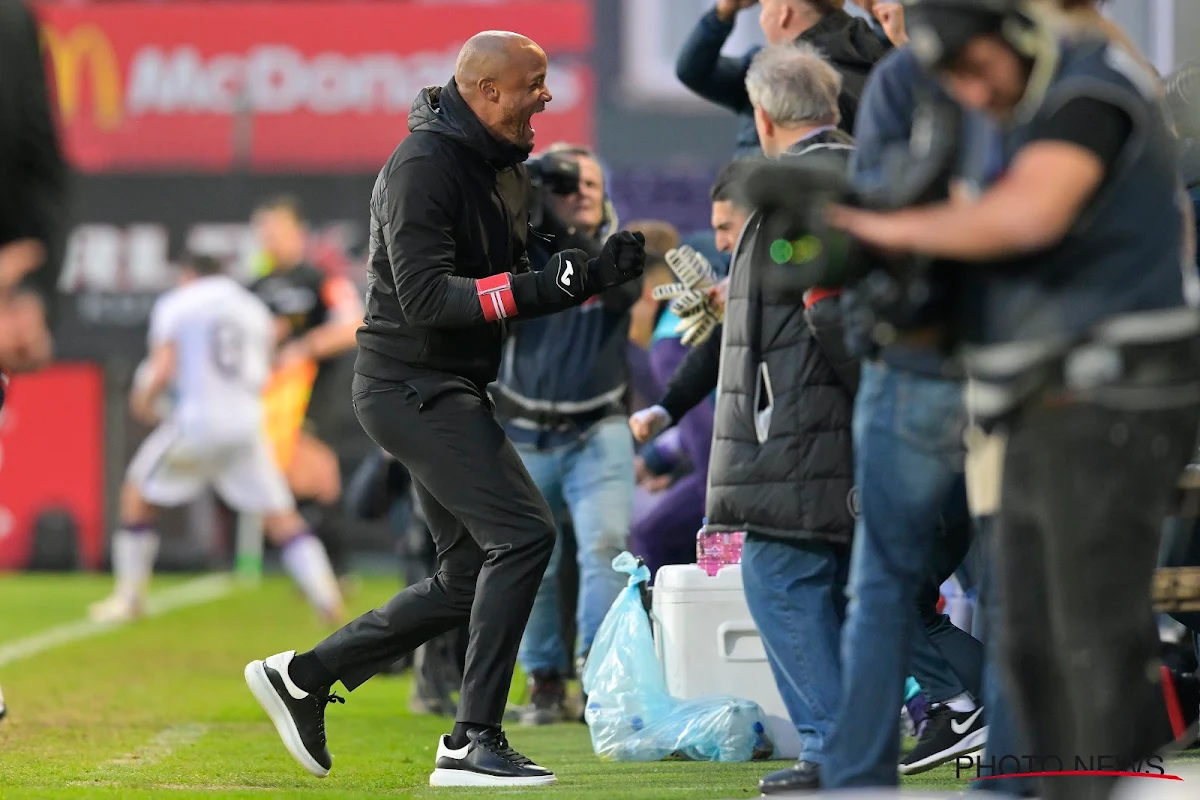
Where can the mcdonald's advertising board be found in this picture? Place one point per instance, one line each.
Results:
(313, 86)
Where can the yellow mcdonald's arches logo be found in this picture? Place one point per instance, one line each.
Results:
(81, 53)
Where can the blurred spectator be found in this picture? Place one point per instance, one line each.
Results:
(33, 184)
(561, 395)
(850, 44)
(665, 532)
(317, 315)
(945, 660)
(782, 462)
(660, 238)
(32, 199)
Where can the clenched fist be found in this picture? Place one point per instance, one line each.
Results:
(728, 9)
(621, 260)
(891, 17)
(647, 423)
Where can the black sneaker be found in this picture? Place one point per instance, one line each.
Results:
(547, 700)
(948, 734)
(486, 761)
(803, 776)
(299, 717)
(3, 708)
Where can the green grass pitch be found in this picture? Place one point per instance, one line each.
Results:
(159, 709)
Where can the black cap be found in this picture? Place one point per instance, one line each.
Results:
(939, 30)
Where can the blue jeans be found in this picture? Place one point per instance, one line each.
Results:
(796, 592)
(592, 480)
(909, 464)
(946, 660)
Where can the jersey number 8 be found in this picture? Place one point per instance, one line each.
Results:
(228, 344)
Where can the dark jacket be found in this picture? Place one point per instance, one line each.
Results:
(850, 44)
(33, 176)
(449, 207)
(883, 138)
(782, 462)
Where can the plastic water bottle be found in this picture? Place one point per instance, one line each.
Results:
(716, 550)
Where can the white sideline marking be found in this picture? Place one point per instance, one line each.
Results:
(191, 593)
(162, 746)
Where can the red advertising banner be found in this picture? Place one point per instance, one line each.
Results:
(52, 458)
(283, 86)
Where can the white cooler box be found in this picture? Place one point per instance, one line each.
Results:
(708, 644)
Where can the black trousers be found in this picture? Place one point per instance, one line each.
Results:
(1085, 493)
(491, 526)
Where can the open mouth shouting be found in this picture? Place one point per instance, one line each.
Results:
(527, 127)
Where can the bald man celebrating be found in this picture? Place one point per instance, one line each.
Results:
(449, 220)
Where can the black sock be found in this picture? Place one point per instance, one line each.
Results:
(307, 672)
(458, 737)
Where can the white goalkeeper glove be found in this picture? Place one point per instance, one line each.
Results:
(691, 269)
(698, 328)
(689, 298)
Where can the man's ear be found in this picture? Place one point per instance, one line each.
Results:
(763, 122)
(489, 90)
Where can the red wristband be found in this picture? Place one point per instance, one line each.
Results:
(496, 297)
(817, 294)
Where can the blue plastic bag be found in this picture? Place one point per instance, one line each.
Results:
(631, 716)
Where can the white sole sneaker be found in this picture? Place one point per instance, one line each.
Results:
(114, 610)
(463, 777)
(264, 693)
(965, 746)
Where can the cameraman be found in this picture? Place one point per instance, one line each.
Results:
(1084, 349)
(561, 396)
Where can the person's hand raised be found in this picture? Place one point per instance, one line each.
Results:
(891, 17)
(728, 9)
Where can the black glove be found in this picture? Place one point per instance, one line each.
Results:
(563, 283)
(622, 260)
(570, 278)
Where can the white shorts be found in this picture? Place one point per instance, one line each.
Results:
(169, 470)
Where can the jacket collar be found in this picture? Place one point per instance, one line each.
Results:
(442, 110)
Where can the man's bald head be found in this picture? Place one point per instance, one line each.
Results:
(502, 76)
(488, 54)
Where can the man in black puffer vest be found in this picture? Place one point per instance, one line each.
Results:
(782, 464)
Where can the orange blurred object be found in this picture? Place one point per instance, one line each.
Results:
(285, 402)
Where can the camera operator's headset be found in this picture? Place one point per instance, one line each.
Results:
(609, 222)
